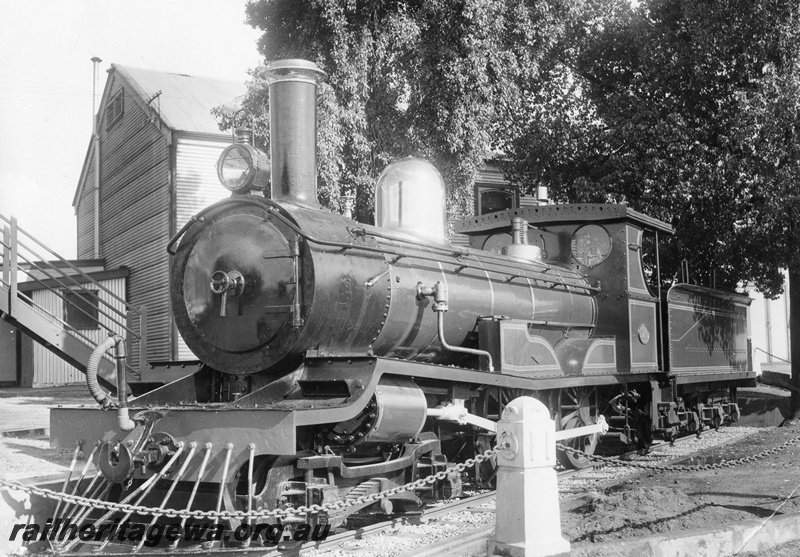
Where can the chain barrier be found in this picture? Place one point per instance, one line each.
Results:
(614, 461)
(370, 498)
(241, 515)
(757, 349)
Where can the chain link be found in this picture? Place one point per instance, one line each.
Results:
(371, 498)
(241, 515)
(757, 349)
(614, 461)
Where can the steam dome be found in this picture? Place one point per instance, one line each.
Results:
(411, 199)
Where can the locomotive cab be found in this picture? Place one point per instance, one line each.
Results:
(603, 243)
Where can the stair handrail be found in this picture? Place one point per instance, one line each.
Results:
(11, 243)
(60, 321)
(140, 337)
(62, 260)
(82, 289)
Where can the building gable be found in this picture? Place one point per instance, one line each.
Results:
(153, 172)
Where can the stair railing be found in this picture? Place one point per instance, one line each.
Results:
(114, 314)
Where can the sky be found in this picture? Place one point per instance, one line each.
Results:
(46, 86)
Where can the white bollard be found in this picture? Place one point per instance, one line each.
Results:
(528, 518)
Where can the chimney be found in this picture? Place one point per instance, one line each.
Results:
(293, 129)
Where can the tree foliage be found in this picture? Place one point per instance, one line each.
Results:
(432, 78)
(668, 107)
(684, 109)
(689, 111)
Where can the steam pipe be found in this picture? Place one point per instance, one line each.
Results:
(123, 419)
(102, 398)
(473, 351)
(91, 373)
(439, 294)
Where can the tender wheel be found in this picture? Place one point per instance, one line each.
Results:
(577, 407)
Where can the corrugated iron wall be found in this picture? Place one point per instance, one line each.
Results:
(197, 187)
(134, 215)
(49, 369)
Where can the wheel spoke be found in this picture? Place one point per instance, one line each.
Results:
(575, 398)
(577, 408)
(565, 419)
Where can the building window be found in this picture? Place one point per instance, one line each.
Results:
(490, 199)
(74, 302)
(115, 109)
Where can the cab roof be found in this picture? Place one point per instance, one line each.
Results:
(561, 213)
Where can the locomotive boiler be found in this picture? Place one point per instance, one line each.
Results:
(342, 359)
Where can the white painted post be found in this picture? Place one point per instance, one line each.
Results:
(527, 519)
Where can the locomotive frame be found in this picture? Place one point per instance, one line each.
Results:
(326, 343)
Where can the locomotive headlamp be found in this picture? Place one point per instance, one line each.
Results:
(242, 167)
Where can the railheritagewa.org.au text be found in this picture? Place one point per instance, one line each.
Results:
(153, 535)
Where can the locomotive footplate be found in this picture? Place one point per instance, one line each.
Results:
(271, 431)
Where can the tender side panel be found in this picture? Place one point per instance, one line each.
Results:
(707, 330)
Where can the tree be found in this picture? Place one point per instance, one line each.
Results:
(688, 111)
(770, 131)
(433, 78)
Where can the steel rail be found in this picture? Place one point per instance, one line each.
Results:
(297, 549)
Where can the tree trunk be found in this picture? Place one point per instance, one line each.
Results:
(794, 325)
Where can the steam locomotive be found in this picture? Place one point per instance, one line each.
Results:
(342, 359)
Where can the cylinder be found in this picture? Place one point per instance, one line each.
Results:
(293, 130)
(401, 411)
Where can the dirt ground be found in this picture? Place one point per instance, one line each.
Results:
(649, 503)
(24, 453)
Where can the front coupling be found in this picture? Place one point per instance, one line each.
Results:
(118, 462)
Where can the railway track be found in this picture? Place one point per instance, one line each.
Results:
(297, 549)
(471, 541)
(421, 530)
